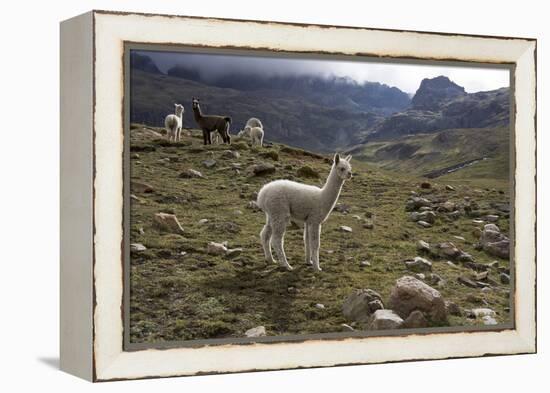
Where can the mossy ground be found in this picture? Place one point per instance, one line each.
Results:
(178, 292)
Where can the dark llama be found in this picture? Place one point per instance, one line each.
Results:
(211, 123)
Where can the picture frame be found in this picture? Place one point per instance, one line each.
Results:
(94, 187)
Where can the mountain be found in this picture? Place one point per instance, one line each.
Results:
(432, 93)
(440, 104)
(286, 117)
(334, 92)
(143, 63)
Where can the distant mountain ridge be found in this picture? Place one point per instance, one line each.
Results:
(320, 114)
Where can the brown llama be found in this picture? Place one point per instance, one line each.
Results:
(211, 123)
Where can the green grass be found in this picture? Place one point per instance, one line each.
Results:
(198, 296)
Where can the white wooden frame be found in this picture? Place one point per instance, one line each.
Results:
(92, 194)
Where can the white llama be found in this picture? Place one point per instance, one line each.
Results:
(256, 135)
(284, 201)
(173, 124)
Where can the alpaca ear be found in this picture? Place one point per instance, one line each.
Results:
(336, 158)
(348, 158)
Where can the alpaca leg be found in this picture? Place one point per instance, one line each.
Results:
(265, 235)
(278, 238)
(178, 134)
(306, 244)
(315, 242)
(204, 136)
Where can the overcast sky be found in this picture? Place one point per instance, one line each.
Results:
(406, 77)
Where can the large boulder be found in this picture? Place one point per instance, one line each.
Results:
(415, 203)
(410, 294)
(361, 304)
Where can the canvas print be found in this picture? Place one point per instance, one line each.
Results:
(276, 197)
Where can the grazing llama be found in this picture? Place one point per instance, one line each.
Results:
(284, 201)
(211, 123)
(173, 124)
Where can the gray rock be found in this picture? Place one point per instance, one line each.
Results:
(258, 331)
(467, 282)
(447, 250)
(141, 187)
(233, 252)
(347, 328)
(320, 306)
(357, 306)
(504, 278)
(411, 294)
(491, 218)
(364, 263)
(453, 309)
(263, 169)
(418, 265)
(214, 248)
(415, 320)
(385, 319)
(210, 163)
(427, 216)
(421, 245)
(231, 154)
(167, 223)
(368, 224)
(488, 320)
(344, 228)
(483, 312)
(137, 247)
(447, 207)
(415, 203)
(424, 224)
(190, 174)
(203, 221)
(449, 187)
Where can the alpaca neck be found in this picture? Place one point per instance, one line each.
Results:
(197, 113)
(331, 191)
(179, 113)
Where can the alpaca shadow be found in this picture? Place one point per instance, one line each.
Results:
(263, 290)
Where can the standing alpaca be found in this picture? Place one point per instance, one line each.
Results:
(256, 135)
(211, 123)
(285, 200)
(173, 124)
(254, 122)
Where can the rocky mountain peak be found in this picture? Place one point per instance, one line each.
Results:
(434, 92)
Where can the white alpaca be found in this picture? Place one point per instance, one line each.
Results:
(256, 136)
(254, 122)
(284, 201)
(173, 124)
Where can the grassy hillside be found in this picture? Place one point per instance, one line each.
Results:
(179, 292)
(420, 154)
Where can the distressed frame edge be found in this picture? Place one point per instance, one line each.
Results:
(76, 196)
(528, 340)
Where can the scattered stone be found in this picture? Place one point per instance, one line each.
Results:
(488, 320)
(234, 252)
(141, 231)
(357, 306)
(375, 305)
(449, 187)
(425, 185)
(418, 265)
(209, 163)
(262, 169)
(134, 198)
(504, 278)
(134, 156)
(167, 222)
(385, 319)
(415, 320)
(364, 264)
(357, 217)
(425, 209)
(494, 242)
(190, 174)
(342, 208)
(231, 154)
(141, 187)
(368, 224)
(308, 172)
(320, 306)
(447, 250)
(491, 218)
(421, 245)
(451, 264)
(481, 276)
(454, 215)
(216, 248)
(292, 290)
(347, 328)
(453, 309)
(478, 221)
(427, 216)
(483, 312)
(137, 247)
(420, 276)
(415, 203)
(344, 228)
(459, 238)
(424, 224)
(411, 294)
(466, 281)
(203, 221)
(258, 331)
(447, 207)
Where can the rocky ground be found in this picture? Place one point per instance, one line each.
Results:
(397, 252)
